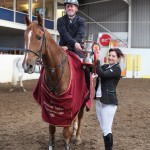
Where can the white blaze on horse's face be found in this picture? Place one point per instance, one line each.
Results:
(28, 42)
(29, 64)
(29, 38)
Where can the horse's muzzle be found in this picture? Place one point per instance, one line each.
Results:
(29, 68)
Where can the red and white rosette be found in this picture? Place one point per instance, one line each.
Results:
(95, 48)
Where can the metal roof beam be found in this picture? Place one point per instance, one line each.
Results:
(61, 1)
(127, 1)
(102, 1)
(103, 27)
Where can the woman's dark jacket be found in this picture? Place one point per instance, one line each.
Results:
(109, 81)
(70, 33)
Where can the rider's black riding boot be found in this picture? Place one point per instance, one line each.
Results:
(108, 141)
(87, 79)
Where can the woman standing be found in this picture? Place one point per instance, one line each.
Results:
(106, 103)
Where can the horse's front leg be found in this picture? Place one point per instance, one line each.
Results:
(75, 128)
(78, 135)
(66, 134)
(52, 130)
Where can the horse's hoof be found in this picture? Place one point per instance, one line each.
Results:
(52, 144)
(67, 147)
(73, 138)
(11, 90)
(24, 90)
(78, 141)
(51, 148)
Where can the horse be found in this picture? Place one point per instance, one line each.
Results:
(57, 77)
(18, 74)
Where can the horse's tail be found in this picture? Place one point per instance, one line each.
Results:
(15, 72)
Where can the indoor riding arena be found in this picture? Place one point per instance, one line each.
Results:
(123, 24)
(22, 127)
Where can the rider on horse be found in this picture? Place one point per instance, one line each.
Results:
(71, 28)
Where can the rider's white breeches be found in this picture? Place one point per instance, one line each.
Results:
(105, 114)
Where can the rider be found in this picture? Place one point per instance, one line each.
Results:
(71, 28)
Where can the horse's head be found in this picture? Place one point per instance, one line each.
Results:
(35, 42)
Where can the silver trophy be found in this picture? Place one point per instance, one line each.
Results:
(88, 50)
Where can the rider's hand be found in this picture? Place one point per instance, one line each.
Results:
(78, 46)
(65, 48)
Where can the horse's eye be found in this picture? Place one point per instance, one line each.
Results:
(39, 37)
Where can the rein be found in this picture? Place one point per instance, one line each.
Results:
(51, 69)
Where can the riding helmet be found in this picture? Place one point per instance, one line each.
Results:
(75, 2)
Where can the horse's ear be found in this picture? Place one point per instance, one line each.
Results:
(40, 20)
(27, 21)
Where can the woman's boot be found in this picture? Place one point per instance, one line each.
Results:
(108, 140)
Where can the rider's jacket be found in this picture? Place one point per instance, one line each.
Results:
(71, 31)
(110, 77)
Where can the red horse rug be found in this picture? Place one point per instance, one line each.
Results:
(61, 110)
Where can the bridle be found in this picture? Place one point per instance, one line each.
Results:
(39, 53)
(51, 69)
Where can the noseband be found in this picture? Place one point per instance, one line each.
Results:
(51, 69)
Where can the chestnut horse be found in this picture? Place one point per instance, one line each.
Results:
(41, 46)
